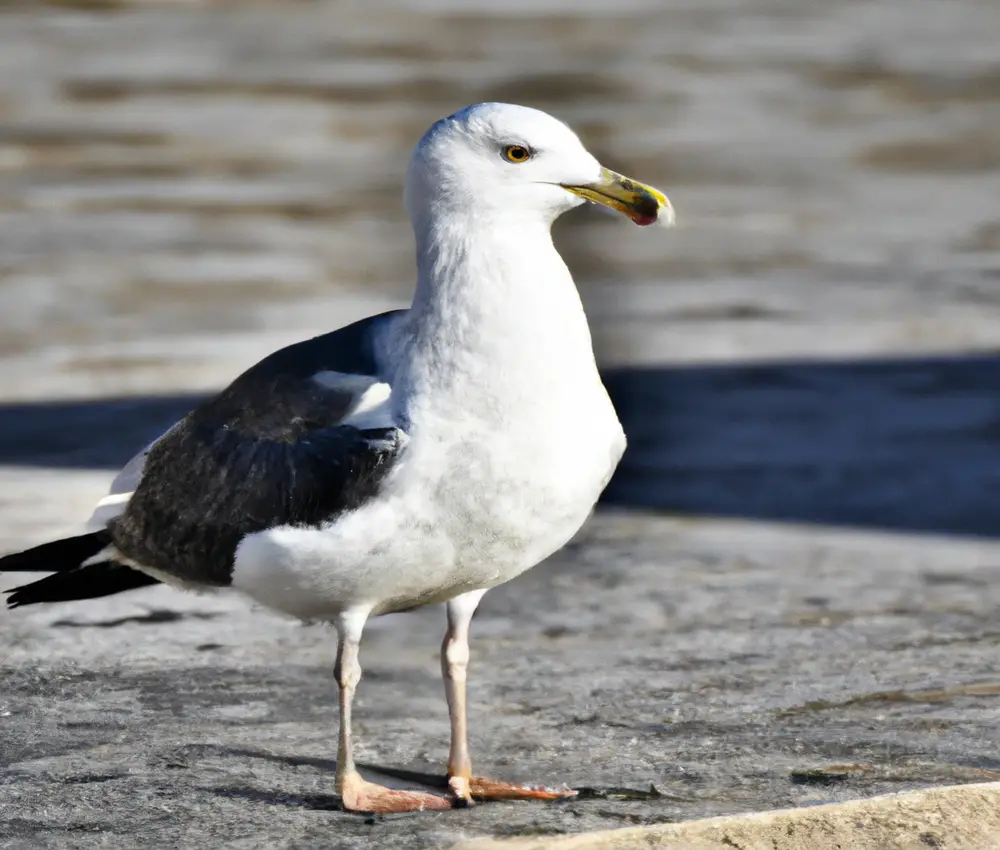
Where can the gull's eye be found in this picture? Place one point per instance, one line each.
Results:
(516, 153)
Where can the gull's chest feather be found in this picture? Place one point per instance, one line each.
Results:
(513, 493)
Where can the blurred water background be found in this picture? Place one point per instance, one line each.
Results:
(186, 185)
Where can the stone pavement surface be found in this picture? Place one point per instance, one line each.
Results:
(670, 668)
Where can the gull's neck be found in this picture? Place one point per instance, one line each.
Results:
(496, 309)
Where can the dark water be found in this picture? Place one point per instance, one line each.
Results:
(214, 168)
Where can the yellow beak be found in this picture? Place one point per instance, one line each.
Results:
(641, 203)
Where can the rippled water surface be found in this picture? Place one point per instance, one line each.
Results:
(177, 179)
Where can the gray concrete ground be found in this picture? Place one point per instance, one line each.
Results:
(729, 666)
(184, 187)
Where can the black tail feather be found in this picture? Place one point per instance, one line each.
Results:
(57, 556)
(90, 582)
(70, 580)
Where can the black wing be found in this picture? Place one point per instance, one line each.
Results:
(270, 450)
(90, 582)
(70, 580)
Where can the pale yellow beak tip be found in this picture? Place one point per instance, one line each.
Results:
(666, 216)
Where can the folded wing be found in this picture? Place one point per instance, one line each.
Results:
(298, 439)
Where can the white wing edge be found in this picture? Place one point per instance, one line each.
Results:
(372, 406)
(121, 490)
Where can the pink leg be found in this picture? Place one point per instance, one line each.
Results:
(454, 668)
(359, 795)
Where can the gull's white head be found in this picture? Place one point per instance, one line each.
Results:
(501, 160)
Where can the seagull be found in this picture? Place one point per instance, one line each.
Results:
(415, 457)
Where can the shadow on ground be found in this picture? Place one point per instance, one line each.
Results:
(908, 444)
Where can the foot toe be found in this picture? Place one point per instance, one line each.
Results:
(483, 788)
(358, 795)
(459, 786)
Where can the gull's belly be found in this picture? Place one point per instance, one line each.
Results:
(469, 511)
(509, 501)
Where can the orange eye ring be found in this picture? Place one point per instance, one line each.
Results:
(516, 154)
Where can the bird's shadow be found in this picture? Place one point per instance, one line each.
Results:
(318, 802)
(391, 777)
(905, 444)
(312, 802)
(154, 616)
(374, 772)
